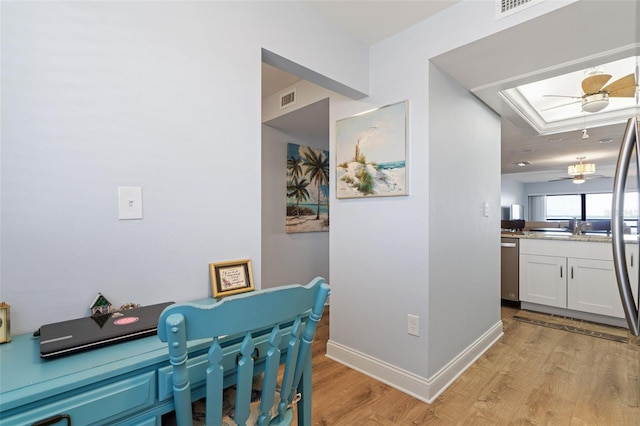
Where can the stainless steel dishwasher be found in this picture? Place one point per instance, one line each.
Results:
(510, 271)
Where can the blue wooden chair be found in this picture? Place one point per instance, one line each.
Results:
(253, 333)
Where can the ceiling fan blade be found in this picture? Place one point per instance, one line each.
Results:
(637, 83)
(624, 87)
(586, 177)
(561, 96)
(560, 106)
(594, 83)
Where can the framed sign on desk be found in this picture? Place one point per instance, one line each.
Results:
(5, 322)
(229, 278)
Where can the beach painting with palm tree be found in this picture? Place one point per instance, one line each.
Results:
(307, 189)
(371, 150)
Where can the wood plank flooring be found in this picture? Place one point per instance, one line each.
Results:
(533, 375)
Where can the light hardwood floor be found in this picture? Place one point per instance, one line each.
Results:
(533, 375)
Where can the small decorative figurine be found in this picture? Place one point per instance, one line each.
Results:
(100, 305)
(5, 322)
(128, 306)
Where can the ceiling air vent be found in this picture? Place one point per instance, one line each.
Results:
(508, 7)
(287, 99)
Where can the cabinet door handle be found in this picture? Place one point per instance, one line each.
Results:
(632, 260)
(52, 420)
(572, 272)
(561, 272)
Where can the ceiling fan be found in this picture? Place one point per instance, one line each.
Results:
(595, 95)
(579, 173)
(578, 179)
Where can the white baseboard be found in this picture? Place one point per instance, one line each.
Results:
(424, 389)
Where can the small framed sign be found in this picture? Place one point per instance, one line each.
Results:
(231, 277)
(5, 321)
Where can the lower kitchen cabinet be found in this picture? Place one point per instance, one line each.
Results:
(543, 279)
(592, 287)
(574, 275)
(633, 259)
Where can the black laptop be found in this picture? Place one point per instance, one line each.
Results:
(67, 337)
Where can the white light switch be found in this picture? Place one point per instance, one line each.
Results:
(129, 202)
(485, 209)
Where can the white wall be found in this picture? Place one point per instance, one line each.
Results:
(162, 95)
(409, 260)
(165, 95)
(290, 258)
(464, 273)
(512, 192)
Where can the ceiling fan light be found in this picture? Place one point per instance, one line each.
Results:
(578, 179)
(596, 102)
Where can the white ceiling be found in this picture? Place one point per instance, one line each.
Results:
(372, 21)
(368, 21)
(532, 59)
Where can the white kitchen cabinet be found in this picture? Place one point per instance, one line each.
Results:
(633, 261)
(592, 287)
(574, 275)
(543, 279)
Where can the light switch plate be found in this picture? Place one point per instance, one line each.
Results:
(129, 202)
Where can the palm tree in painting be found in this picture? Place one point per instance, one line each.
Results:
(294, 166)
(317, 167)
(295, 188)
(298, 189)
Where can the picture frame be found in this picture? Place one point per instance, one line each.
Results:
(231, 277)
(307, 189)
(371, 153)
(5, 321)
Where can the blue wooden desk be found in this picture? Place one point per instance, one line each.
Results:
(126, 383)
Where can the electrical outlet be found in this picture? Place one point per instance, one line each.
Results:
(413, 325)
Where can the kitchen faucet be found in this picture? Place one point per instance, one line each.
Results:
(579, 227)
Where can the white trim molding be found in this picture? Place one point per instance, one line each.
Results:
(424, 389)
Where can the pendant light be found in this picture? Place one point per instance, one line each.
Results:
(581, 168)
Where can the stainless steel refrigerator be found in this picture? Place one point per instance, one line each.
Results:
(629, 158)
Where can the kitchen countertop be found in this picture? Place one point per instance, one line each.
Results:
(566, 236)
